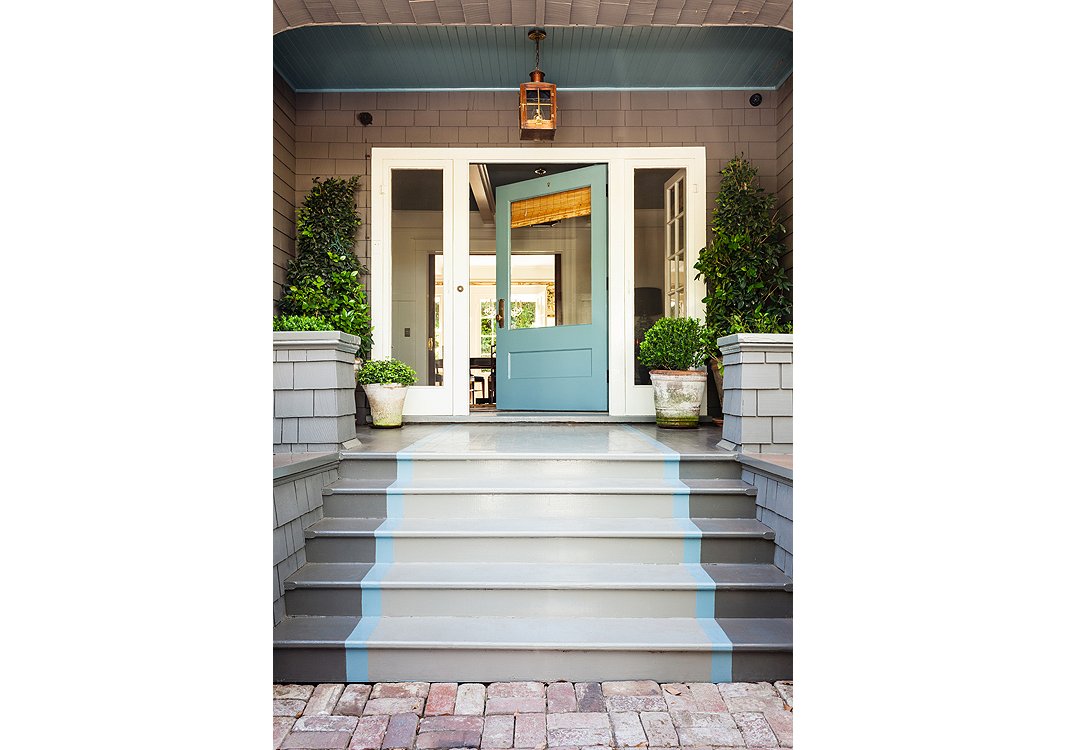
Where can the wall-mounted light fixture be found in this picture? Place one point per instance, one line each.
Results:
(538, 114)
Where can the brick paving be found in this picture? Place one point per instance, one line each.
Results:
(638, 714)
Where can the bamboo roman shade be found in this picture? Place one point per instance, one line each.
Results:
(554, 207)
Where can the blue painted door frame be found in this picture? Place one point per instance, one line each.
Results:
(555, 368)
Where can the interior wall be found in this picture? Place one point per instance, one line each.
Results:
(417, 236)
(284, 181)
(648, 269)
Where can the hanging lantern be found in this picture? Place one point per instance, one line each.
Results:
(538, 115)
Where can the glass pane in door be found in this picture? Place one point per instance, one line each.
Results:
(659, 260)
(551, 260)
(417, 233)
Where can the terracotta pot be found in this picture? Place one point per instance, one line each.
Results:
(386, 403)
(678, 395)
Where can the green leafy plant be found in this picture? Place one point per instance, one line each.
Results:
(748, 287)
(523, 314)
(756, 322)
(301, 323)
(387, 370)
(675, 344)
(322, 283)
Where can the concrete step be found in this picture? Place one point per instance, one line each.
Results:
(490, 649)
(541, 540)
(534, 466)
(547, 497)
(549, 590)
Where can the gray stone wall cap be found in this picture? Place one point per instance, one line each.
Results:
(288, 464)
(777, 465)
(737, 342)
(344, 342)
(755, 338)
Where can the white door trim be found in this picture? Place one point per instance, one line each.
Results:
(624, 399)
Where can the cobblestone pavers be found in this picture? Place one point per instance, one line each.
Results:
(634, 714)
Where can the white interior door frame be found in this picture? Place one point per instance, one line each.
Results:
(453, 398)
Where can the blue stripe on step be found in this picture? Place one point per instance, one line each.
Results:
(721, 646)
(356, 656)
(356, 659)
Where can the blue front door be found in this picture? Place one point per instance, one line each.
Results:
(551, 285)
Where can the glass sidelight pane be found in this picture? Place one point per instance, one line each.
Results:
(417, 236)
(659, 261)
(551, 273)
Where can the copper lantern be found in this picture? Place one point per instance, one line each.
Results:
(538, 114)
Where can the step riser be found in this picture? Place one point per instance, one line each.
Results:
(324, 602)
(451, 665)
(320, 664)
(510, 468)
(721, 506)
(437, 602)
(534, 550)
(354, 506)
(360, 550)
(737, 551)
(739, 603)
(700, 469)
(540, 506)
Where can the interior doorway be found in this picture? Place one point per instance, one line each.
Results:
(537, 304)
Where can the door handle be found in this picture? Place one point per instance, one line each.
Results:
(499, 314)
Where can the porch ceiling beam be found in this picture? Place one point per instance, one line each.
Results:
(484, 195)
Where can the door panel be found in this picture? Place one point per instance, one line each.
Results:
(551, 351)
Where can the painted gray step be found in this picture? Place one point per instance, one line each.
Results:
(589, 590)
(547, 497)
(535, 466)
(311, 649)
(490, 649)
(541, 540)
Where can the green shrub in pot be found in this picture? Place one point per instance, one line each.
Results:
(387, 370)
(675, 344)
(385, 382)
(322, 288)
(672, 349)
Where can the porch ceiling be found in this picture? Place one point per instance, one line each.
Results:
(290, 14)
(428, 57)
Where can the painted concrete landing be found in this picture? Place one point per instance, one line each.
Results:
(609, 440)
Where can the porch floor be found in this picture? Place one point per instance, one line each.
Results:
(637, 714)
(550, 440)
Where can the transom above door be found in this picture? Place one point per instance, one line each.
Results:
(439, 257)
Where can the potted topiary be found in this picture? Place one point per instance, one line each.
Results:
(322, 289)
(673, 349)
(385, 382)
(322, 325)
(748, 287)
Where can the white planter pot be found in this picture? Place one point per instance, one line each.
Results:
(386, 403)
(678, 395)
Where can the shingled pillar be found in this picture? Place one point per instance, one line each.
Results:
(314, 390)
(757, 412)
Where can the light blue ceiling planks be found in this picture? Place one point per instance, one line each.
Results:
(407, 57)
